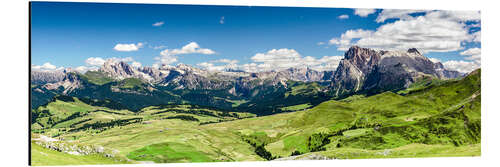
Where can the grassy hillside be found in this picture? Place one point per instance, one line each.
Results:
(97, 77)
(434, 120)
(41, 156)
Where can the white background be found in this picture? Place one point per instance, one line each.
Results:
(14, 79)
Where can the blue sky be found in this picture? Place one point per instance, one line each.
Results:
(248, 38)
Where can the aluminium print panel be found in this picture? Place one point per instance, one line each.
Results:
(115, 83)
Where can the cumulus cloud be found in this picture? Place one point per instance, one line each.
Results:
(128, 47)
(395, 13)
(457, 16)
(344, 16)
(472, 54)
(462, 66)
(364, 12)
(219, 65)
(436, 31)
(165, 60)
(83, 69)
(275, 60)
(280, 59)
(95, 61)
(158, 24)
(45, 67)
(212, 67)
(168, 56)
(476, 36)
(249, 67)
(227, 61)
(190, 48)
(345, 41)
(117, 59)
(136, 64)
(159, 47)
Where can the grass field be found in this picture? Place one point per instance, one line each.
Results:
(41, 156)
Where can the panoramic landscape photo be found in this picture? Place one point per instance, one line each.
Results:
(119, 83)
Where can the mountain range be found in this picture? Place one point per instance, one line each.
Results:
(361, 71)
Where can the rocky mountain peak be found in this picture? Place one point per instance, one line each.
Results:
(364, 69)
(44, 77)
(119, 70)
(71, 81)
(362, 58)
(413, 50)
(358, 53)
(184, 67)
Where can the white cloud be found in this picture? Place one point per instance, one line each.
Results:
(226, 64)
(159, 47)
(128, 47)
(475, 25)
(395, 13)
(165, 60)
(275, 60)
(95, 61)
(344, 16)
(434, 60)
(436, 31)
(471, 51)
(136, 64)
(476, 36)
(168, 56)
(364, 12)
(221, 21)
(211, 66)
(125, 59)
(83, 69)
(44, 67)
(326, 63)
(457, 16)
(462, 66)
(250, 67)
(345, 41)
(472, 54)
(280, 59)
(190, 48)
(158, 24)
(321, 43)
(227, 61)
(98, 61)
